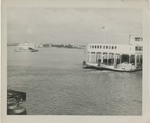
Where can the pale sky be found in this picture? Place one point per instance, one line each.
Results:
(73, 25)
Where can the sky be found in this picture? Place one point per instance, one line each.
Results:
(73, 25)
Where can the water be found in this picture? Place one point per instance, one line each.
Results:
(56, 84)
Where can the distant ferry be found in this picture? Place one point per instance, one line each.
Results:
(26, 47)
(115, 57)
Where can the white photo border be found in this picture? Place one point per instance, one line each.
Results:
(72, 3)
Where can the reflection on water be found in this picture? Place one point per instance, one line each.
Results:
(56, 84)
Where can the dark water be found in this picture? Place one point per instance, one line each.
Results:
(56, 84)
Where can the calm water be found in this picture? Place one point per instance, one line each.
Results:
(56, 84)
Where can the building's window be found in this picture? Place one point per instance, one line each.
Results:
(115, 47)
(98, 46)
(137, 58)
(95, 46)
(136, 48)
(111, 59)
(98, 57)
(125, 58)
(92, 46)
(141, 59)
(103, 47)
(105, 58)
(112, 47)
(132, 59)
(118, 58)
(140, 48)
(138, 39)
(106, 47)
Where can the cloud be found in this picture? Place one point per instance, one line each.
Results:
(70, 24)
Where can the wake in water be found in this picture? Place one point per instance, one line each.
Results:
(95, 71)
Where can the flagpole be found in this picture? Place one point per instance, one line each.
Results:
(104, 35)
(102, 29)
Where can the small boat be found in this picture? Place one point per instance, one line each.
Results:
(115, 57)
(14, 102)
(34, 50)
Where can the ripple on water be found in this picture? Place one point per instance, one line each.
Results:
(56, 84)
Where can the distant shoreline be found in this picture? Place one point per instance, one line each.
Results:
(68, 46)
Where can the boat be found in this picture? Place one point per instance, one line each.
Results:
(26, 47)
(34, 50)
(115, 57)
(15, 100)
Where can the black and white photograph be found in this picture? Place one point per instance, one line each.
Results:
(75, 61)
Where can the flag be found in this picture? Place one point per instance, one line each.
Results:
(102, 28)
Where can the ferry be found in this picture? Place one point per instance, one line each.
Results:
(24, 47)
(116, 57)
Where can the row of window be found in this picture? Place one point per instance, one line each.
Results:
(102, 47)
(138, 39)
(139, 48)
(110, 58)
